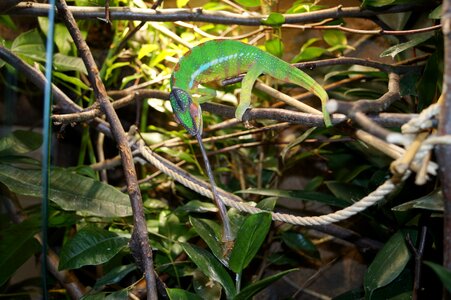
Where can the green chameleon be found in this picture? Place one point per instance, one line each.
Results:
(218, 60)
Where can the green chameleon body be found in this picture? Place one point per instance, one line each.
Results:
(218, 60)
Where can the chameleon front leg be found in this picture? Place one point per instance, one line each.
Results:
(227, 237)
(246, 89)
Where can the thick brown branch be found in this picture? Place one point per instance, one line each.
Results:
(356, 111)
(139, 235)
(199, 15)
(444, 151)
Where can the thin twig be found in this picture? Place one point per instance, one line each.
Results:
(139, 242)
(367, 32)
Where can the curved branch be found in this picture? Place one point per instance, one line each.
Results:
(139, 242)
(200, 15)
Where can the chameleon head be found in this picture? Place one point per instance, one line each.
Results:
(186, 112)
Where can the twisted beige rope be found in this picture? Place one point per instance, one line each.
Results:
(423, 121)
(236, 202)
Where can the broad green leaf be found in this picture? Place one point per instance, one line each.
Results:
(62, 37)
(309, 54)
(70, 191)
(396, 49)
(256, 287)
(17, 246)
(443, 273)
(205, 287)
(91, 246)
(389, 262)
(182, 3)
(334, 37)
(63, 62)
(267, 203)
(427, 85)
(298, 242)
(350, 192)
(72, 80)
(29, 46)
(146, 49)
(433, 202)
(248, 3)
(298, 195)
(210, 235)
(274, 19)
(211, 267)
(249, 238)
(407, 84)
(8, 22)
(20, 142)
(436, 14)
(275, 47)
(179, 294)
(115, 275)
(301, 6)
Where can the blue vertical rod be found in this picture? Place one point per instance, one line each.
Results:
(46, 143)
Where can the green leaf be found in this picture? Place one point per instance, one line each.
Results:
(90, 246)
(296, 142)
(210, 233)
(298, 242)
(350, 192)
(433, 202)
(20, 142)
(207, 263)
(267, 203)
(389, 262)
(443, 273)
(115, 275)
(205, 287)
(309, 54)
(62, 37)
(427, 85)
(17, 246)
(72, 80)
(249, 238)
(69, 63)
(396, 49)
(436, 14)
(29, 46)
(8, 22)
(69, 191)
(408, 84)
(256, 287)
(274, 19)
(198, 207)
(334, 37)
(248, 3)
(182, 3)
(275, 47)
(179, 294)
(298, 195)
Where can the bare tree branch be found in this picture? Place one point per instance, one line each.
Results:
(444, 151)
(200, 15)
(140, 242)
